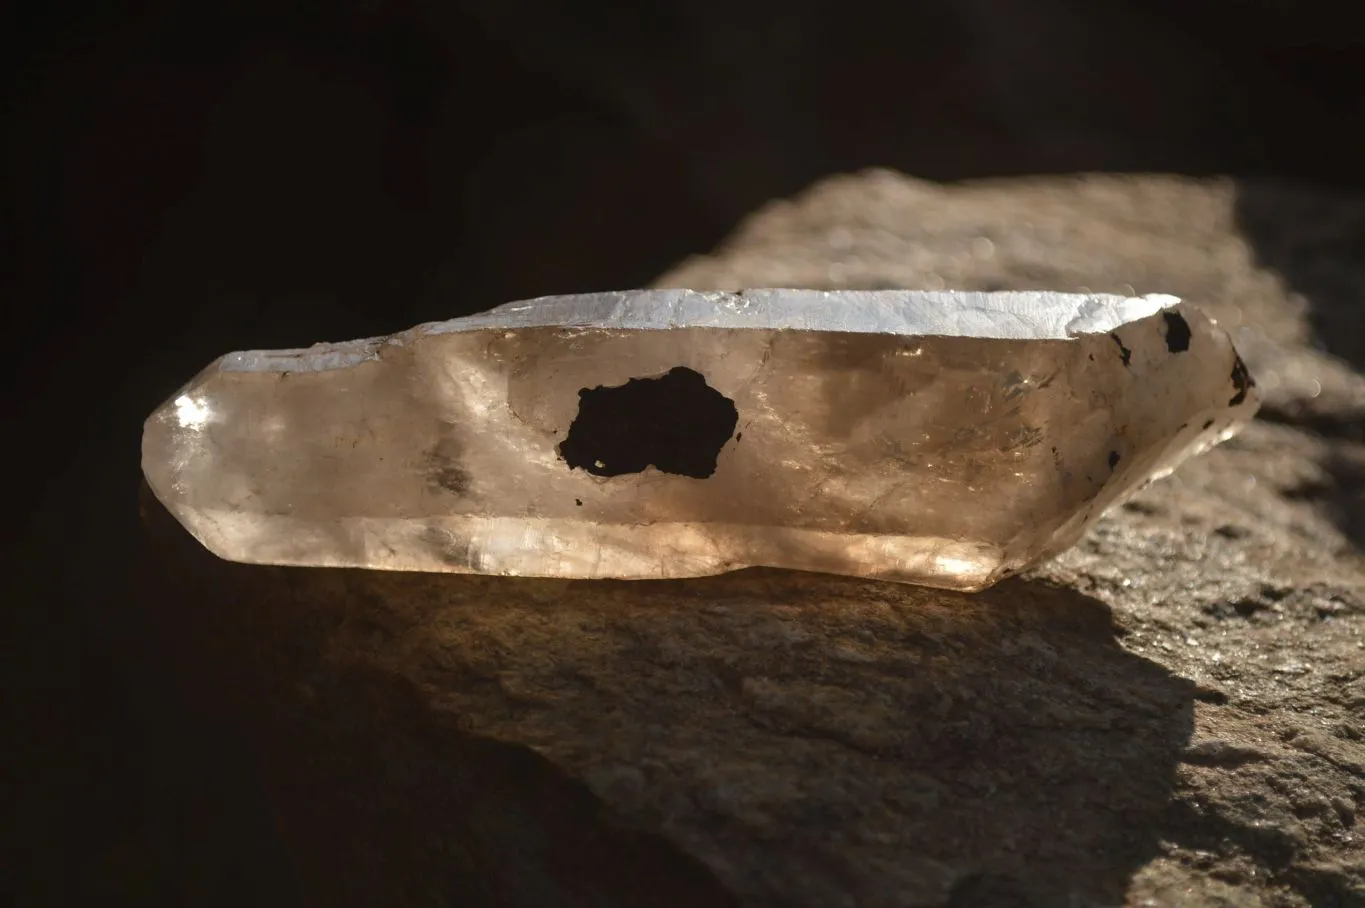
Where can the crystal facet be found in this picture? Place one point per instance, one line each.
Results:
(949, 439)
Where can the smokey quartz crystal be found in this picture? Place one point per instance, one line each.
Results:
(942, 438)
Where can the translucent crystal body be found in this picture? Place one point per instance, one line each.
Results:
(948, 439)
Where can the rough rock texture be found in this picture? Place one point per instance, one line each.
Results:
(1169, 714)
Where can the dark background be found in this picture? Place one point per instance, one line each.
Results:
(187, 179)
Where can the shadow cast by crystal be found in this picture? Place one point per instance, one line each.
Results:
(785, 731)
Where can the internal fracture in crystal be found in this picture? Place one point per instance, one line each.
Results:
(948, 439)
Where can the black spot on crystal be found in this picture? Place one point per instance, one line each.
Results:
(1241, 381)
(676, 423)
(578, 501)
(1113, 460)
(1207, 423)
(1123, 351)
(1177, 332)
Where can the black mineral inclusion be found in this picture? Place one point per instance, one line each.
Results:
(676, 423)
(1123, 351)
(1241, 381)
(1177, 332)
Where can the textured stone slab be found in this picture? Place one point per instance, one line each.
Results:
(949, 439)
(1165, 714)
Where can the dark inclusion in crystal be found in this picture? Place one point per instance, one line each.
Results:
(1241, 381)
(1123, 351)
(676, 423)
(1177, 332)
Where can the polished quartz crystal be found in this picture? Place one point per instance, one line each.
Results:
(948, 439)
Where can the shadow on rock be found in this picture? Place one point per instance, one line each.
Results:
(384, 800)
(763, 737)
(1315, 240)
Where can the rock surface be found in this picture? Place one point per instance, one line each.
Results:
(1168, 714)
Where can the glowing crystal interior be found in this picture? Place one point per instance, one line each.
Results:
(948, 439)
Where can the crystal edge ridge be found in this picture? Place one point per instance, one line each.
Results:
(1005, 315)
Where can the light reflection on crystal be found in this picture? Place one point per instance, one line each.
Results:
(191, 412)
(933, 438)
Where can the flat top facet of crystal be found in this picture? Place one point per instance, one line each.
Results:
(1020, 315)
(949, 439)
